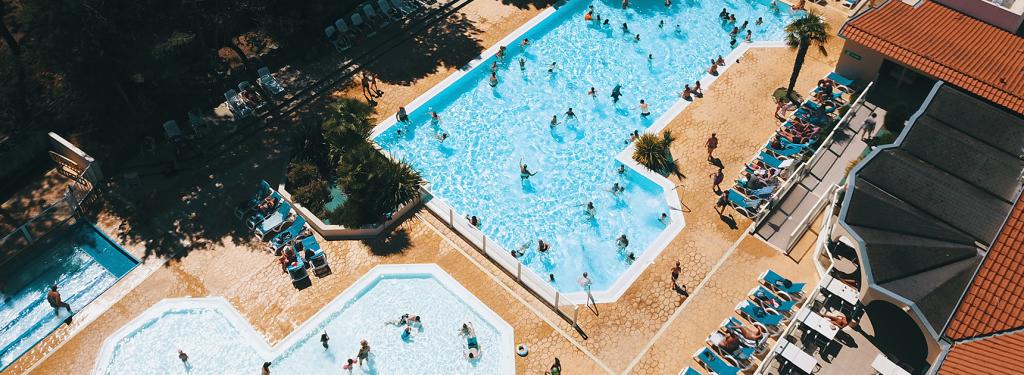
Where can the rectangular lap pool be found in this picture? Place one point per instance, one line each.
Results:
(490, 131)
(81, 260)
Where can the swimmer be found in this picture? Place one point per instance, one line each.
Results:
(622, 242)
(521, 250)
(554, 121)
(441, 137)
(723, 14)
(524, 43)
(522, 63)
(661, 24)
(494, 80)
(644, 111)
(696, 88)
(407, 333)
(616, 93)
(634, 135)
(616, 189)
(622, 169)
(668, 3)
(759, 21)
(750, 36)
(551, 68)
(720, 61)
(348, 364)
(774, 6)
(402, 116)
(679, 29)
(745, 23)
(630, 257)
(605, 22)
(625, 4)
(324, 339)
(551, 277)
(570, 114)
(591, 210)
(663, 218)
(637, 38)
(735, 30)
(524, 172)
(494, 66)
(713, 70)
(650, 56)
(474, 221)
(543, 246)
(686, 93)
(182, 356)
(501, 52)
(592, 92)
(625, 27)
(435, 119)
(732, 18)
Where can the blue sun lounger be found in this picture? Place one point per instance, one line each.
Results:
(755, 313)
(744, 205)
(774, 281)
(689, 371)
(262, 193)
(298, 271)
(734, 323)
(840, 79)
(774, 162)
(274, 221)
(318, 260)
(286, 236)
(713, 363)
(783, 305)
(742, 353)
(268, 82)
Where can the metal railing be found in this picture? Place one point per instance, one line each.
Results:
(803, 168)
(55, 214)
(503, 258)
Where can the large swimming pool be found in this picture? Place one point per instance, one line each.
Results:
(219, 341)
(79, 259)
(492, 130)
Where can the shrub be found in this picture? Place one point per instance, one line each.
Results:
(308, 187)
(652, 152)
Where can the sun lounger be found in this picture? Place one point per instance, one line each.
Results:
(713, 363)
(343, 37)
(318, 260)
(262, 193)
(268, 82)
(297, 272)
(744, 205)
(237, 104)
(782, 305)
(754, 313)
(689, 371)
(776, 282)
(762, 193)
(405, 7)
(760, 346)
(775, 162)
(842, 81)
(274, 221)
(394, 12)
(371, 15)
(286, 236)
(358, 23)
(741, 355)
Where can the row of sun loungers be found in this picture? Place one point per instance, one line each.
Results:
(768, 308)
(248, 98)
(770, 169)
(265, 213)
(367, 20)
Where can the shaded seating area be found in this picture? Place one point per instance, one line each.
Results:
(792, 144)
(268, 215)
(369, 18)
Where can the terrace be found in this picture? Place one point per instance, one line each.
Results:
(197, 249)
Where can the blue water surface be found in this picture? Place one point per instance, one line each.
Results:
(492, 130)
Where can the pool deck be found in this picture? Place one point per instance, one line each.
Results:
(193, 246)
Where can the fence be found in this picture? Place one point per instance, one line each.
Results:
(803, 169)
(500, 256)
(55, 214)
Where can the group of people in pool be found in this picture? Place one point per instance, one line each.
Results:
(730, 19)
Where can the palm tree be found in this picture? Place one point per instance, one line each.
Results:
(801, 34)
(652, 152)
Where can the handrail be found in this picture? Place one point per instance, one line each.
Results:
(805, 223)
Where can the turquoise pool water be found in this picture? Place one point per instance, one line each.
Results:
(79, 259)
(491, 130)
(215, 345)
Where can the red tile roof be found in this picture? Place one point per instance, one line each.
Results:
(994, 301)
(947, 45)
(994, 355)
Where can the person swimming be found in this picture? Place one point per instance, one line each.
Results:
(570, 114)
(435, 119)
(494, 80)
(520, 251)
(524, 172)
(605, 22)
(554, 121)
(592, 92)
(637, 38)
(402, 116)
(543, 246)
(644, 110)
(661, 24)
(720, 61)
(663, 218)
(522, 63)
(616, 93)
(734, 32)
(625, 27)
(723, 14)
(407, 333)
(501, 52)
(524, 43)
(622, 169)
(591, 210)
(713, 70)
(551, 68)
(745, 23)
(759, 21)
(442, 137)
(617, 189)
(494, 66)
(750, 36)
(679, 29)
(622, 242)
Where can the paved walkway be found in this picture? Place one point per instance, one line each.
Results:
(788, 220)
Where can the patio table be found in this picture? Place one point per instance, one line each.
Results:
(818, 323)
(795, 356)
(884, 366)
(843, 291)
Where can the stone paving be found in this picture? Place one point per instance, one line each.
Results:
(208, 253)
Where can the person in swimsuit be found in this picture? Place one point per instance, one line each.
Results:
(524, 172)
(543, 246)
(713, 70)
(501, 53)
(53, 297)
(402, 116)
(625, 27)
(592, 92)
(522, 63)
(622, 169)
(324, 339)
(570, 114)
(556, 368)
(686, 93)
(644, 111)
(616, 93)
(554, 121)
(524, 43)
(494, 80)
(616, 189)
(591, 211)
(364, 351)
(435, 119)
(622, 242)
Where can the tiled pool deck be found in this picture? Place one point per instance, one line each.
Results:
(651, 329)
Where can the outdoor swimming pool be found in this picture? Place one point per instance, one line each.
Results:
(492, 130)
(79, 259)
(219, 341)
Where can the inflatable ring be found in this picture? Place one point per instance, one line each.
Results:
(522, 350)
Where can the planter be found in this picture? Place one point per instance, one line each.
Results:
(333, 232)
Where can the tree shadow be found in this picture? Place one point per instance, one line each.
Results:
(394, 243)
(449, 43)
(526, 4)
